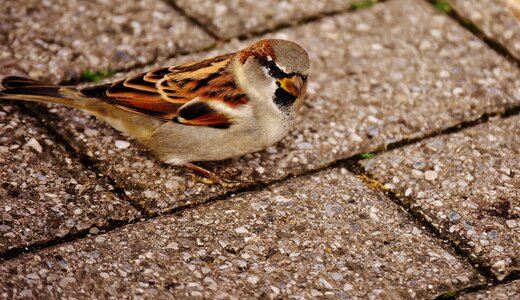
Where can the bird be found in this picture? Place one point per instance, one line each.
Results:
(208, 110)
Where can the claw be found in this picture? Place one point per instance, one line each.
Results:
(200, 179)
(208, 177)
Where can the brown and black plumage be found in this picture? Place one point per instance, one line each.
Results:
(212, 109)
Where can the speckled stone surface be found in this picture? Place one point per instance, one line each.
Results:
(98, 35)
(496, 18)
(44, 192)
(231, 18)
(406, 70)
(327, 235)
(468, 183)
(510, 291)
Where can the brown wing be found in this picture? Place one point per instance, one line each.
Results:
(161, 93)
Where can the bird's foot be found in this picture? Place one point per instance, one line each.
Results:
(207, 177)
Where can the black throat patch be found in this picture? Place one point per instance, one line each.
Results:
(283, 99)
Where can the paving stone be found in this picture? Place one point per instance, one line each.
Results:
(323, 235)
(508, 291)
(232, 18)
(44, 193)
(406, 70)
(495, 18)
(58, 40)
(474, 196)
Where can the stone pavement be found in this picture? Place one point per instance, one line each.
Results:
(399, 180)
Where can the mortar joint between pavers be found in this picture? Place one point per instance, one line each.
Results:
(454, 294)
(259, 33)
(213, 35)
(421, 218)
(477, 32)
(87, 162)
(193, 20)
(70, 237)
(484, 118)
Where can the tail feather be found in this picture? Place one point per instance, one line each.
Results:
(19, 88)
(11, 82)
(89, 100)
(15, 85)
(49, 91)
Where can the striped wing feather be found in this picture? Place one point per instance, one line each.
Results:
(182, 93)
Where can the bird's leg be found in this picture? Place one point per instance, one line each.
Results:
(209, 177)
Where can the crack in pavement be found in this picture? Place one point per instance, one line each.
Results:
(35, 110)
(192, 19)
(421, 218)
(218, 40)
(477, 32)
(454, 294)
(258, 33)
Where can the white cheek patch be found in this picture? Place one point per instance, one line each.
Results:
(266, 72)
(258, 90)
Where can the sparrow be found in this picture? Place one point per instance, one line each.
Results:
(213, 109)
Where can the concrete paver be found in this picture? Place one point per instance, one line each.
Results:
(59, 40)
(44, 193)
(406, 71)
(502, 292)
(468, 185)
(323, 235)
(231, 18)
(496, 19)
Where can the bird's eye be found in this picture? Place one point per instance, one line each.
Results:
(274, 70)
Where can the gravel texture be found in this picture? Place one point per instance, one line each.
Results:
(60, 39)
(406, 71)
(496, 18)
(468, 184)
(510, 291)
(44, 192)
(232, 18)
(326, 235)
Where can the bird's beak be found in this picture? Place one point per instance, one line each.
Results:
(293, 85)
